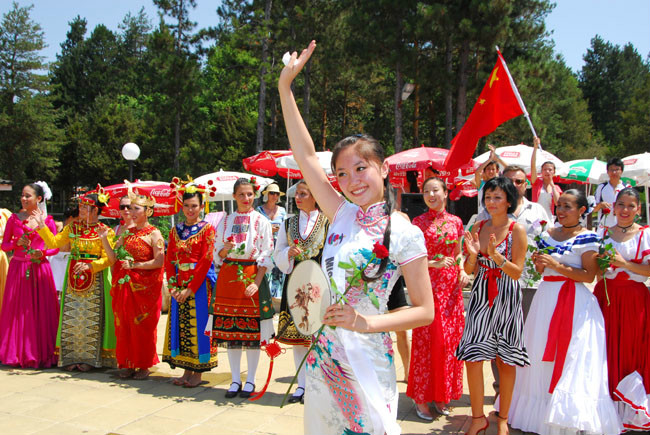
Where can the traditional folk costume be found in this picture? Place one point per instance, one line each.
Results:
(188, 264)
(275, 276)
(351, 380)
(137, 301)
(241, 321)
(625, 304)
(86, 325)
(307, 231)
(435, 374)
(495, 320)
(4, 262)
(30, 311)
(564, 391)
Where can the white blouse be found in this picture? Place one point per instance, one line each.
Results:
(306, 224)
(251, 229)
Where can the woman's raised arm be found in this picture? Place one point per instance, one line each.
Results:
(301, 142)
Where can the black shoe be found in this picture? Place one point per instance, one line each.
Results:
(297, 397)
(246, 394)
(230, 394)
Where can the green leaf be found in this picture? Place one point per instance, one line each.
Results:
(345, 265)
(373, 299)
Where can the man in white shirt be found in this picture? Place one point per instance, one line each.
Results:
(606, 193)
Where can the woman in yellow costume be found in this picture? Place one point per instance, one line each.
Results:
(4, 262)
(86, 336)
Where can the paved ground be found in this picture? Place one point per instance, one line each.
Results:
(55, 402)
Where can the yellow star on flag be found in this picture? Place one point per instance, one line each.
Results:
(494, 77)
(481, 101)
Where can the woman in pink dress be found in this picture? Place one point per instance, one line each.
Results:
(30, 312)
(436, 375)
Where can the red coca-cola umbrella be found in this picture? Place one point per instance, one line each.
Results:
(282, 163)
(264, 164)
(167, 199)
(419, 159)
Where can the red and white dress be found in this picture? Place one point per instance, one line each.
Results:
(435, 373)
(627, 330)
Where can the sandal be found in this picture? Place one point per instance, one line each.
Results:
(84, 367)
(141, 375)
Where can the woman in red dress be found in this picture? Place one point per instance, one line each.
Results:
(435, 374)
(625, 303)
(137, 290)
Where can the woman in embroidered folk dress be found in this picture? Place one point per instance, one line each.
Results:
(301, 237)
(243, 313)
(86, 336)
(625, 304)
(564, 391)
(137, 289)
(30, 312)
(351, 381)
(436, 375)
(276, 215)
(494, 322)
(192, 278)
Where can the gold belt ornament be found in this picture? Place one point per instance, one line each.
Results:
(186, 266)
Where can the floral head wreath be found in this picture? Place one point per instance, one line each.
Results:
(102, 197)
(188, 186)
(256, 187)
(142, 200)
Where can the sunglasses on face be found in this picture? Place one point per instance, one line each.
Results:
(274, 193)
(124, 206)
(519, 182)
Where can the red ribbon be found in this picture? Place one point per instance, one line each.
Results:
(491, 274)
(559, 331)
(272, 350)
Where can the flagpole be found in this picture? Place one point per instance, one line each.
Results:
(514, 87)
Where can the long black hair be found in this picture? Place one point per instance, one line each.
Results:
(370, 149)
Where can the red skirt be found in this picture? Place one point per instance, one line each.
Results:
(236, 316)
(136, 306)
(627, 328)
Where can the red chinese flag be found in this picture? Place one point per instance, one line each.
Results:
(497, 104)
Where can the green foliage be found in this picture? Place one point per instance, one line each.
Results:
(189, 97)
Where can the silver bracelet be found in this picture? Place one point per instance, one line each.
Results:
(505, 260)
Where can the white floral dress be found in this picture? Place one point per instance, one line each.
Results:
(351, 383)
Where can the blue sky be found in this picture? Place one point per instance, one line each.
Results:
(573, 22)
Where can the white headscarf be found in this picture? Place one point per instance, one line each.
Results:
(47, 195)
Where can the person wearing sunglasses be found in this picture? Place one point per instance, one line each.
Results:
(125, 216)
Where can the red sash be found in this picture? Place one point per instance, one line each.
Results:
(491, 274)
(559, 331)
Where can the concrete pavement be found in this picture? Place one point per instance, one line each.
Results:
(55, 402)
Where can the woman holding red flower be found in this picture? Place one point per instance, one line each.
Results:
(351, 380)
(30, 310)
(436, 375)
(301, 237)
(625, 302)
(243, 312)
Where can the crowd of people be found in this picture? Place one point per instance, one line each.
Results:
(565, 360)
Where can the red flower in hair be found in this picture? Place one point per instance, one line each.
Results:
(379, 250)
